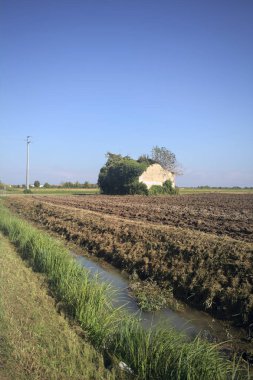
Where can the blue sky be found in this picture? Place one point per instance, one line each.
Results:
(87, 77)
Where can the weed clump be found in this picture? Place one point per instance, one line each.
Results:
(151, 297)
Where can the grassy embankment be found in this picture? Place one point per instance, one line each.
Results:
(152, 354)
(35, 341)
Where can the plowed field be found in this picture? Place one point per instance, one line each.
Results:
(220, 214)
(201, 245)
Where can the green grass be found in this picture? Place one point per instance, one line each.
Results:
(35, 341)
(229, 190)
(48, 191)
(155, 353)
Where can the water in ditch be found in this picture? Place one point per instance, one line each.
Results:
(191, 321)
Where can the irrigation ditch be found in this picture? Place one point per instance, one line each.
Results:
(151, 352)
(183, 318)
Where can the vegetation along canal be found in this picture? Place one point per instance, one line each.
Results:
(189, 320)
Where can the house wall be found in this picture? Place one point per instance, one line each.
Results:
(156, 175)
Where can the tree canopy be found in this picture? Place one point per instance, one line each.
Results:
(36, 183)
(120, 175)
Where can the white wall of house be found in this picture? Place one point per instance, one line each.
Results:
(156, 175)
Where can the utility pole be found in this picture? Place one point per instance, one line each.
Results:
(28, 141)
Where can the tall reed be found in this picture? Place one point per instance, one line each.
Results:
(154, 353)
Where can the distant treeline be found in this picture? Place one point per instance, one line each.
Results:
(77, 185)
(219, 187)
(63, 185)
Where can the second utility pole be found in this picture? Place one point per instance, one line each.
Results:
(28, 141)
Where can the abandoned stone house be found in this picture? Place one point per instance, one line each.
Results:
(156, 175)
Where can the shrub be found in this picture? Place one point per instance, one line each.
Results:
(166, 189)
(27, 191)
(156, 190)
(139, 188)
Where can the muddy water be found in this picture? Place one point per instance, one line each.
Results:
(190, 321)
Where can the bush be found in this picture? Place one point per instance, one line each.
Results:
(139, 188)
(156, 190)
(166, 189)
(27, 191)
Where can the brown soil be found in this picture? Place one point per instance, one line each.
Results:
(210, 272)
(220, 214)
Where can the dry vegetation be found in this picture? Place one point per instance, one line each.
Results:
(199, 244)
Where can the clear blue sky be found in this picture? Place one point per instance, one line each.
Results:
(86, 77)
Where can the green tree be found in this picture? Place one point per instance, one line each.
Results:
(47, 185)
(36, 183)
(120, 175)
